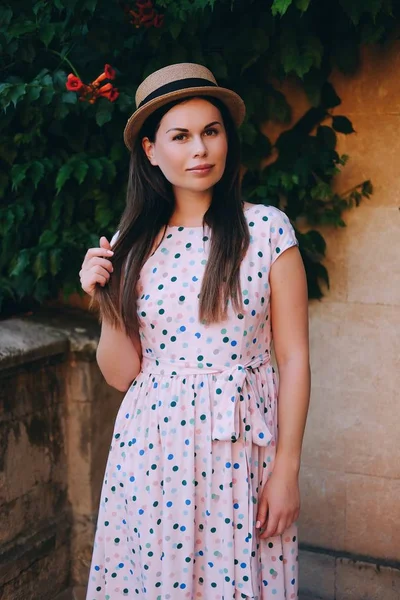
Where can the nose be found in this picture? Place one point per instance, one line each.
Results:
(200, 148)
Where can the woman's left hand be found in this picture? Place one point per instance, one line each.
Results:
(279, 504)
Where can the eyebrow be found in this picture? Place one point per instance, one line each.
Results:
(181, 129)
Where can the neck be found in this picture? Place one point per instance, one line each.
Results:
(190, 207)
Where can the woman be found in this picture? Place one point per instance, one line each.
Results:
(200, 497)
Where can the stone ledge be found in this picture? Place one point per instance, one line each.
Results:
(23, 342)
(329, 576)
(81, 328)
(356, 579)
(316, 575)
(48, 333)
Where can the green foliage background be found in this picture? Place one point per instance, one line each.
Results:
(63, 165)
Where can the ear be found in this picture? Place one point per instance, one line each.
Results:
(148, 148)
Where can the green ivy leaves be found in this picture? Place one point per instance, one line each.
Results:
(14, 91)
(63, 164)
(11, 93)
(279, 7)
(78, 167)
(300, 53)
(342, 125)
(104, 112)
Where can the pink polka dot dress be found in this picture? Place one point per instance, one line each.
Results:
(195, 437)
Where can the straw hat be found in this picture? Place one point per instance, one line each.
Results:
(178, 81)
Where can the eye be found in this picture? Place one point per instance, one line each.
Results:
(211, 131)
(179, 137)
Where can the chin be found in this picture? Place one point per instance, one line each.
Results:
(205, 184)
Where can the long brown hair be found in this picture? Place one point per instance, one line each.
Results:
(149, 207)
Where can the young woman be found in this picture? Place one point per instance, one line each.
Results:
(200, 495)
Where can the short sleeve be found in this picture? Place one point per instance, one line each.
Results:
(282, 234)
(114, 238)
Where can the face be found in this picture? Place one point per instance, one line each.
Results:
(190, 146)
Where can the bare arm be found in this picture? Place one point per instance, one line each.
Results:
(289, 318)
(279, 503)
(118, 356)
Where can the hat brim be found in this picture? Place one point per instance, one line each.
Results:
(232, 101)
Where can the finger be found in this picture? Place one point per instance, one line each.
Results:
(262, 512)
(272, 524)
(100, 279)
(282, 526)
(96, 275)
(92, 252)
(90, 286)
(98, 252)
(86, 275)
(103, 262)
(99, 270)
(104, 243)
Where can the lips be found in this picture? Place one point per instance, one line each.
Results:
(204, 167)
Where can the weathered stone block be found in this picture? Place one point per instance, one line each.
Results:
(371, 426)
(344, 434)
(42, 580)
(373, 250)
(324, 446)
(317, 575)
(364, 581)
(24, 342)
(355, 347)
(323, 503)
(372, 516)
(81, 547)
(22, 474)
(44, 501)
(36, 563)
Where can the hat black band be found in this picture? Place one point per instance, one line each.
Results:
(175, 86)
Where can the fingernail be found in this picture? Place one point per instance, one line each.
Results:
(258, 524)
(110, 252)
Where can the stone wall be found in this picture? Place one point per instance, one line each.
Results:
(35, 518)
(56, 419)
(350, 476)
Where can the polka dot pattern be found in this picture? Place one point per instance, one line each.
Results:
(195, 437)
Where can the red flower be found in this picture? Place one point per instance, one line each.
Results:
(158, 21)
(144, 15)
(147, 18)
(113, 95)
(105, 88)
(90, 93)
(109, 92)
(74, 84)
(109, 72)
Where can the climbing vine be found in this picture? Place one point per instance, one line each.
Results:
(63, 165)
